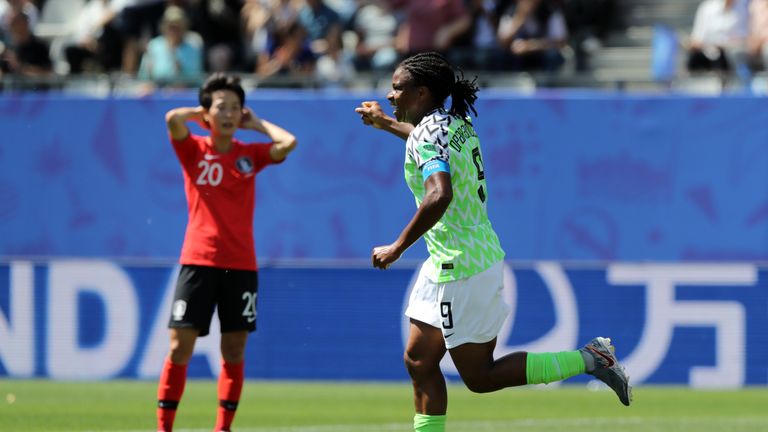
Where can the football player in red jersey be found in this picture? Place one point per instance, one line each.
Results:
(218, 258)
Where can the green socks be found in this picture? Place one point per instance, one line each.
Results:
(549, 367)
(539, 368)
(428, 423)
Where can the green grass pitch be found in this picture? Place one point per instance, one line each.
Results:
(269, 406)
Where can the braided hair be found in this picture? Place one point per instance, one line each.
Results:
(432, 70)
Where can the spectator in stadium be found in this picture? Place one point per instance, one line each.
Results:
(430, 25)
(324, 29)
(287, 51)
(719, 36)
(323, 25)
(276, 41)
(588, 22)
(218, 260)
(12, 7)
(135, 19)
(535, 33)
(375, 27)
(176, 56)
(456, 305)
(260, 18)
(215, 21)
(758, 34)
(98, 46)
(26, 55)
(478, 47)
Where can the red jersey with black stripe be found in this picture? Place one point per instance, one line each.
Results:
(220, 189)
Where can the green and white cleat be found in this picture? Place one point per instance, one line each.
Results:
(607, 368)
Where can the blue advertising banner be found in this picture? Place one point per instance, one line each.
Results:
(699, 324)
(571, 176)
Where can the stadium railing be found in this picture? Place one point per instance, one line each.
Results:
(103, 85)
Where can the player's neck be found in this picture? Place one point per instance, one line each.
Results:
(221, 143)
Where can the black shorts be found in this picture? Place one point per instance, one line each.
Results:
(202, 289)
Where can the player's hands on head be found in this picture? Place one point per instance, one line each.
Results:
(199, 118)
(371, 114)
(249, 119)
(384, 256)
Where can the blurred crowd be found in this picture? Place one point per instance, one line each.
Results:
(729, 36)
(178, 41)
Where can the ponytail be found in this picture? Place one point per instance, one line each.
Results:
(463, 96)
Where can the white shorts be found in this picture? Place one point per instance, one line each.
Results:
(469, 310)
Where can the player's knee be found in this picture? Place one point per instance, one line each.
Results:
(411, 364)
(233, 352)
(179, 352)
(233, 346)
(233, 357)
(478, 385)
(417, 366)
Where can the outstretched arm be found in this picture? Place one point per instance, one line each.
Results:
(283, 141)
(176, 121)
(372, 115)
(437, 198)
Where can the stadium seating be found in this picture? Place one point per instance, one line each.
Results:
(622, 62)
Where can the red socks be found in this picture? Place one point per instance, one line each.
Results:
(169, 392)
(171, 387)
(230, 387)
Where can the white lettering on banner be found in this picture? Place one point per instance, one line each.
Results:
(67, 279)
(663, 313)
(157, 347)
(565, 333)
(17, 337)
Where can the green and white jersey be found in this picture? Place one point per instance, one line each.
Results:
(462, 243)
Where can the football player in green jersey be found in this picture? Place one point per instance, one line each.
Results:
(456, 305)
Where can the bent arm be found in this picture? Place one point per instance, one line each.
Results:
(447, 34)
(283, 141)
(372, 115)
(176, 121)
(437, 198)
(396, 128)
(510, 25)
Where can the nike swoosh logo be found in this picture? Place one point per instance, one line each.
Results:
(448, 335)
(607, 358)
(211, 157)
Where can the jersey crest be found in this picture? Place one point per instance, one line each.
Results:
(244, 165)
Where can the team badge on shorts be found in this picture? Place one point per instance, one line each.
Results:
(179, 309)
(244, 164)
